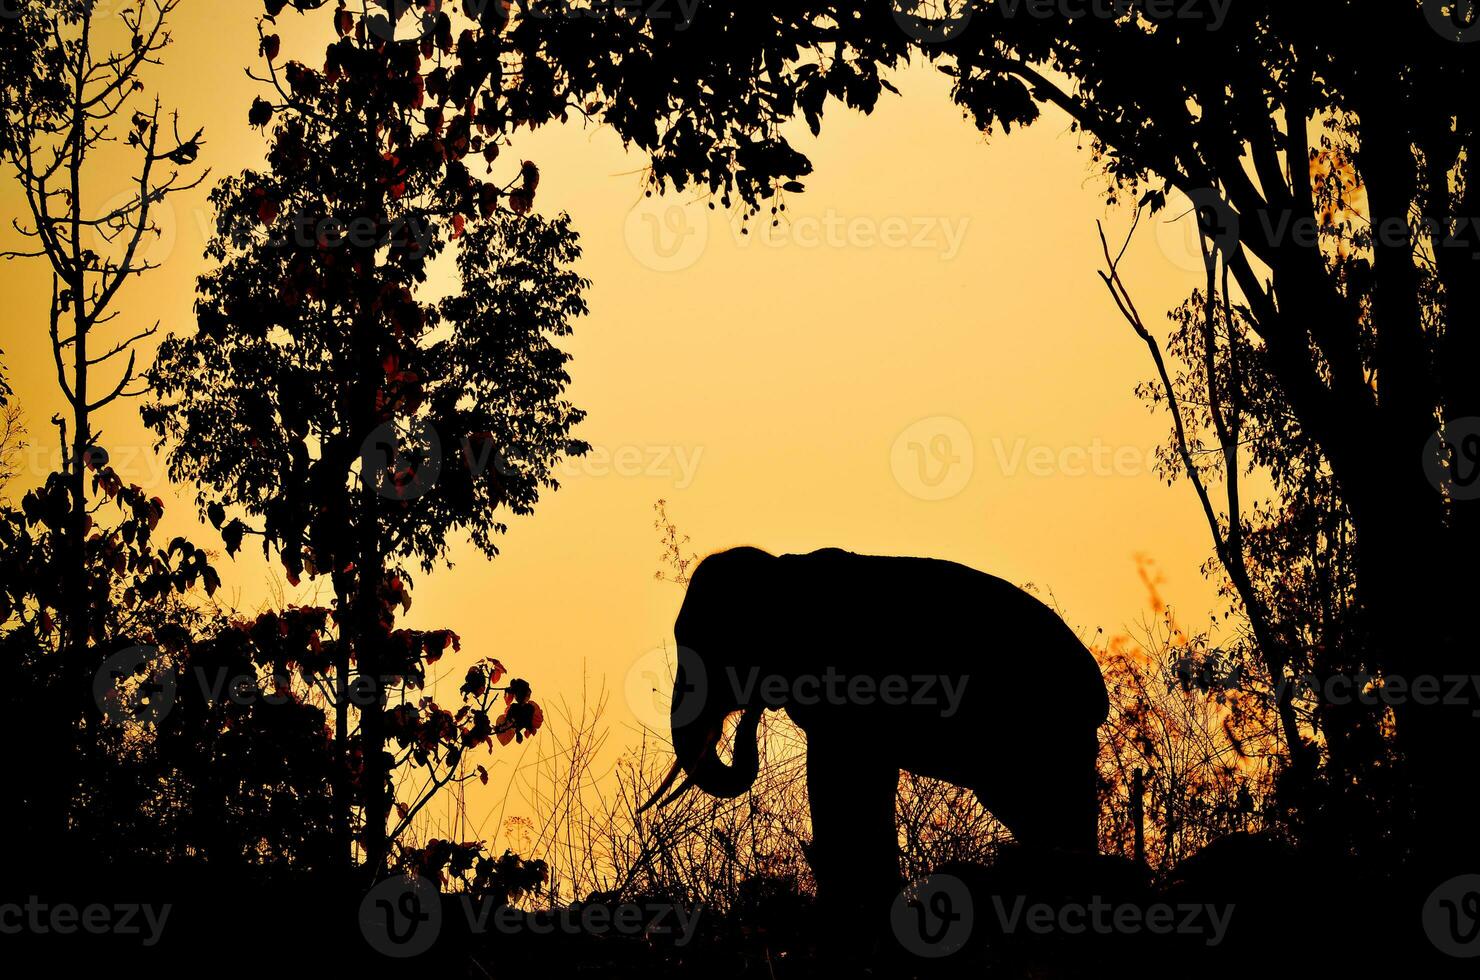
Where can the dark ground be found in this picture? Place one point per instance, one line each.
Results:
(1292, 916)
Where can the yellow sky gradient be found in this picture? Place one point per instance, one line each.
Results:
(771, 387)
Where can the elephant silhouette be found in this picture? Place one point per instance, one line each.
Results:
(886, 664)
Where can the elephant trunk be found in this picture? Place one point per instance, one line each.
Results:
(708, 773)
(697, 749)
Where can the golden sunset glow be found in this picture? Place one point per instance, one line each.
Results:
(664, 488)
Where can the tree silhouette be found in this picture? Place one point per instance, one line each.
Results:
(1291, 562)
(353, 423)
(71, 787)
(67, 95)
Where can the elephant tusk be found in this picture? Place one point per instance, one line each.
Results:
(663, 786)
(683, 788)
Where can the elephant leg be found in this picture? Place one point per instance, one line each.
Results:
(855, 844)
(1048, 799)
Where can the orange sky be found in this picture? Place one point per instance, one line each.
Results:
(922, 362)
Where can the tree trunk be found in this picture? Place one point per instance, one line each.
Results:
(371, 630)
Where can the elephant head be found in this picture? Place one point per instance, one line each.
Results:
(717, 630)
